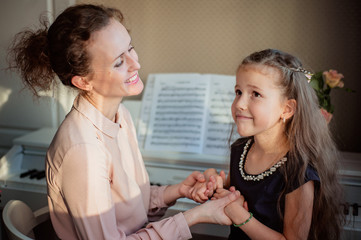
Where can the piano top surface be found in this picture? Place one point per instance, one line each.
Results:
(40, 139)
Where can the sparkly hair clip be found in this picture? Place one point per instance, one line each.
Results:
(308, 74)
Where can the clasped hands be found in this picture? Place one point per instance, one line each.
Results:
(224, 203)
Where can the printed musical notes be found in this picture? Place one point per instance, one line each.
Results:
(145, 110)
(219, 116)
(187, 113)
(178, 113)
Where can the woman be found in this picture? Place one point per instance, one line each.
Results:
(98, 187)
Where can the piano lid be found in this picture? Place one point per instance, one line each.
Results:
(38, 140)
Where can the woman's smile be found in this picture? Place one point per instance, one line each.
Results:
(133, 80)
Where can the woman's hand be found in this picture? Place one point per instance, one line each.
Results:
(220, 193)
(186, 187)
(183, 189)
(194, 187)
(211, 211)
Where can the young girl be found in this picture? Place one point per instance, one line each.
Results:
(285, 163)
(98, 187)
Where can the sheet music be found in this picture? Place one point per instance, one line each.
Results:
(187, 113)
(146, 108)
(178, 113)
(219, 117)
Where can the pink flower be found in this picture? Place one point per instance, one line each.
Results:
(333, 78)
(326, 115)
(340, 84)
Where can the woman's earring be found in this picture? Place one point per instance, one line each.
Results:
(284, 120)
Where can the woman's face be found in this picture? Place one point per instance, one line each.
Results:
(114, 63)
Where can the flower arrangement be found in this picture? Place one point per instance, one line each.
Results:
(323, 83)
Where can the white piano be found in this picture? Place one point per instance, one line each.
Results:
(28, 153)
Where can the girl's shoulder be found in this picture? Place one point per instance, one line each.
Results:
(311, 174)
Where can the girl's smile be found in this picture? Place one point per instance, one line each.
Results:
(240, 116)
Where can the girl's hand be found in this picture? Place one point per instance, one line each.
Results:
(236, 211)
(202, 191)
(217, 180)
(193, 187)
(211, 211)
(220, 193)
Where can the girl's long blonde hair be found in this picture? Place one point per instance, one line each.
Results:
(310, 143)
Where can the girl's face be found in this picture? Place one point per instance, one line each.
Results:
(114, 63)
(258, 104)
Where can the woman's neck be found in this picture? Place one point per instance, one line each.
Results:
(107, 106)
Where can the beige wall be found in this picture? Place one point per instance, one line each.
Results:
(213, 36)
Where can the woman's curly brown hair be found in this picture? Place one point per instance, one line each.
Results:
(60, 49)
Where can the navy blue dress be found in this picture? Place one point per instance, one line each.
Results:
(261, 196)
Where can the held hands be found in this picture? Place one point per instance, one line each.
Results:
(212, 211)
(203, 190)
(225, 203)
(197, 188)
(220, 193)
(237, 210)
(187, 186)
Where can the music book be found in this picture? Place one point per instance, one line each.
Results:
(187, 112)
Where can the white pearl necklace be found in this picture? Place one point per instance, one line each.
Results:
(260, 176)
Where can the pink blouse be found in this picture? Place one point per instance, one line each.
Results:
(98, 187)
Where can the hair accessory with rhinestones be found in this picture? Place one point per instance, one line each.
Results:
(308, 74)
